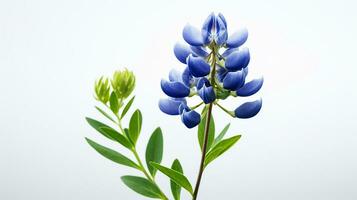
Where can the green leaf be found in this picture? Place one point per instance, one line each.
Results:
(142, 186)
(105, 114)
(201, 132)
(176, 189)
(154, 150)
(175, 176)
(112, 155)
(127, 107)
(99, 127)
(221, 135)
(220, 148)
(114, 104)
(135, 126)
(117, 137)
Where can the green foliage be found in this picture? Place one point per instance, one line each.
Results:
(201, 132)
(127, 107)
(112, 155)
(220, 148)
(114, 103)
(123, 83)
(105, 114)
(117, 137)
(175, 176)
(102, 90)
(99, 127)
(135, 126)
(221, 135)
(154, 150)
(142, 186)
(176, 189)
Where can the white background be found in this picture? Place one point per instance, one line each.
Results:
(302, 146)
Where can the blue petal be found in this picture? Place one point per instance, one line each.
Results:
(187, 77)
(237, 39)
(221, 73)
(205, 91)
(199, 51)
(174, 89)
(192, 35)
(181, 51)
(190, 118)
(220, 15)
(221, 32)
(201, 82)
(234, 80)
(248, 109)
(198, 66)
(170, 106)
(175, 75)
(250, 88)
(207, 29)
(238, 60)
(229, 51)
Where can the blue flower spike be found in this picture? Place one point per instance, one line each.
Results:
(216, 67)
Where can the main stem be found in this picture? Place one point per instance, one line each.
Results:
(204, 149)
(207, 125)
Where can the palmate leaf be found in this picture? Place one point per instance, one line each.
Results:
(127, 107)
(135, 126)
(221, 135)
(114, 104)
(105, 114)
(142, 186)
(220, 148)
(201, 132)
(175, 176)
(112, 155)
(176, 189)
(154, 150)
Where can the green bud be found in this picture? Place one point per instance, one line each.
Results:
(102, 89)
(123, 83)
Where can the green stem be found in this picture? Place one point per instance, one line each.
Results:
(225, 110)
(204, 149)
(137, 157)
(196, 106)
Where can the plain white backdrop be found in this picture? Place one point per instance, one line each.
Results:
(302, 146)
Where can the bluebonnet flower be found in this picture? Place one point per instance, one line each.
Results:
(216, 67)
